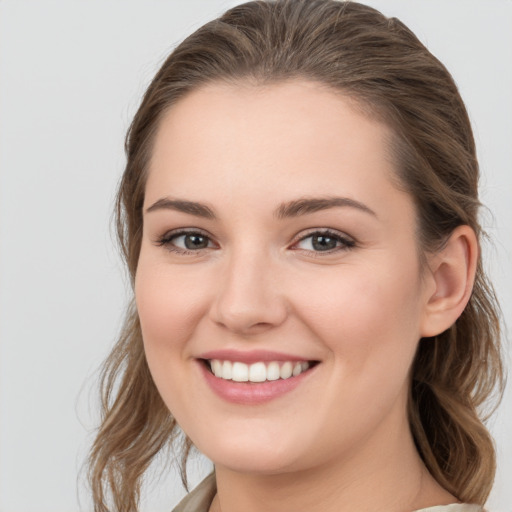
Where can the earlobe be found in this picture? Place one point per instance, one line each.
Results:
(452, 270)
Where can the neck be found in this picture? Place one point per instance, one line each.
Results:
(386, 474)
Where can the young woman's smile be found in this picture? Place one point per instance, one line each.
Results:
(279, 287)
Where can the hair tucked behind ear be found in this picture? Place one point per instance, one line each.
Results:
(379, 62)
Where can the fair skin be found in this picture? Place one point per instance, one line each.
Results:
(228, 265)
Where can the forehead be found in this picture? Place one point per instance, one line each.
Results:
(291, 138)
(284, 111)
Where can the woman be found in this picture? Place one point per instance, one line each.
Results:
(299, 217)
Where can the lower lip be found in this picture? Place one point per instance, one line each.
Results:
(252, 393)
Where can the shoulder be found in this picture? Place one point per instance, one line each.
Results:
(200, 498)
(455, 507)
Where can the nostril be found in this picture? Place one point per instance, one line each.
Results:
(248, 307)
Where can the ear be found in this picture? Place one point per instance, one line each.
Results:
(451, 275)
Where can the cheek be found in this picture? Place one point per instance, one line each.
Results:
(365, 315)
(169, 306)
(368, 321)
(170, 310)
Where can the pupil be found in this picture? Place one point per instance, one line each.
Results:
(323, 243)
(196, 242)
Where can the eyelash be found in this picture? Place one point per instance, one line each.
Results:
(167, 239)
(345, 242)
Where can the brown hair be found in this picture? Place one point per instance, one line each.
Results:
(380, 63)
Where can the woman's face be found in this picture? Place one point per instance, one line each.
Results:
(276, 242)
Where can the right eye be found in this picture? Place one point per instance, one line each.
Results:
(185, 242)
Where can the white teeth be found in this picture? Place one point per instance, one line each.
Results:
(227, 370)
(273, 371)
(217, 368)
(240, 372)
(286, 370)
(257, 372)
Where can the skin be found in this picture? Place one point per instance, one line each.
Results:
(340, 441)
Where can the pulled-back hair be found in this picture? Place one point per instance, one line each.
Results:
(355, 50)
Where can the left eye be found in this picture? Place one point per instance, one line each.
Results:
(186, 241)
(323, 242)
(192, 241)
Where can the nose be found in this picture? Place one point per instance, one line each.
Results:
(249, 299)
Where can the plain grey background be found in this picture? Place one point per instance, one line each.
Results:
(71, 75)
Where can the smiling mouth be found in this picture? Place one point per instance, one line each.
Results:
(257, 372)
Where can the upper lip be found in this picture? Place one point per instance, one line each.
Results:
(251, 356)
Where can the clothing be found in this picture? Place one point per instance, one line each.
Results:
(200, 499)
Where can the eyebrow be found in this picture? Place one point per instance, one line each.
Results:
(180, 205)
(295, 208)
(306, 205)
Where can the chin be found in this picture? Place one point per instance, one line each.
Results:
(244, 456)
(254, 463)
